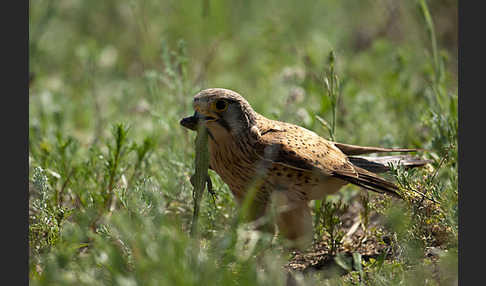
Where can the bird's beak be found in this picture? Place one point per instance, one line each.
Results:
(191, 121)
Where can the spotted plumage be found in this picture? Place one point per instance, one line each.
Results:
(288, 164)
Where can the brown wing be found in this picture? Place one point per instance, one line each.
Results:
(299, 148)
(302, 149)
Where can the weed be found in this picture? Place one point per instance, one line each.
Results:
(330, 223)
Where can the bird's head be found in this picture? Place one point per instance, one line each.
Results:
(221, 111)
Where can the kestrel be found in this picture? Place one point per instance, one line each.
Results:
(286, 163)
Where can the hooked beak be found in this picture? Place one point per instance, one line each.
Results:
(191, 122)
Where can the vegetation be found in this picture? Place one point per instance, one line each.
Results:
(111, 202)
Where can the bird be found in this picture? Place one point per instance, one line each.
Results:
(286, 165)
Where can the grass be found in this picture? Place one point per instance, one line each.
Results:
(110, 197)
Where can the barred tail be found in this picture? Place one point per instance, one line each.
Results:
(381, 164)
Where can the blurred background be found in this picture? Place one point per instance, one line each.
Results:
(98, 61)
(112, 204)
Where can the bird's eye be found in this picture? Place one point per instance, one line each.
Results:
(221, 105)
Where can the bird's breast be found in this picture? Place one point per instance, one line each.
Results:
(234, 161)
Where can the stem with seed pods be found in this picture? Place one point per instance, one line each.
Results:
(331, 82)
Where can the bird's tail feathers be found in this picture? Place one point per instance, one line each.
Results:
(382, 164)
(349, 149)
(371, 182)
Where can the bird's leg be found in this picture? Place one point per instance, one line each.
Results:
(294, 221)
(257, 213)
(256, 217)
